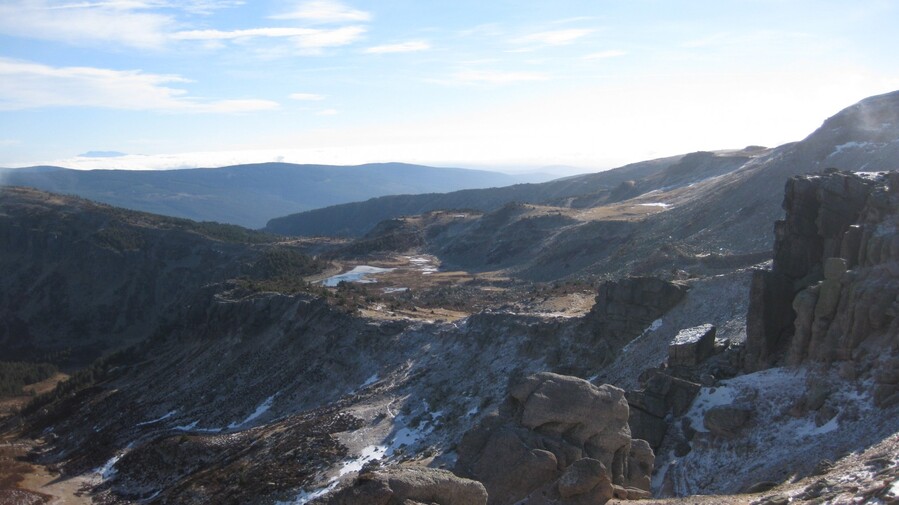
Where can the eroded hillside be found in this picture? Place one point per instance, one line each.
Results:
(498, 357)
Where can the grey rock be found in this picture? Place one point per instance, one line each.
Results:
(692, 346)
(551, 437)
(401, 485)
(726, 420)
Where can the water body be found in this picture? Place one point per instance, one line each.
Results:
(360, 274)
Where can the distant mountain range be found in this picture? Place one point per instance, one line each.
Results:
(250, 195)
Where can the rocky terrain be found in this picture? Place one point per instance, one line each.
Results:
(82, 278)
(461, 361)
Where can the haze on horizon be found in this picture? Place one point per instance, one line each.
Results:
(500, 85)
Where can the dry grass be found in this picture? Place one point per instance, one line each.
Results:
(12, 406)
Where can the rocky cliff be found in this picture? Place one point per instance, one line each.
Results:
(831, 293)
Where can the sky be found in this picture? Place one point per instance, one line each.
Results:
(566, 85)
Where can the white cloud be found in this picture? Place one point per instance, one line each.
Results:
(305, 38)
(555, 37)
(85, 23)
(306, 96)
(242, 34)
(327, 112)
(602, 55)
(330, 38)
(402, 47)
(325, 11)
(25, 85)
(496, 76)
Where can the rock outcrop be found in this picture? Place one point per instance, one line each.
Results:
(692, 346)
(407, 485)
(835, 277)
(660, 396)
(626, 307)
(556, 439)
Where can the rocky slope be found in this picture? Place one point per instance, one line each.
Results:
(700, 213)
(81, 278)
(355, 219)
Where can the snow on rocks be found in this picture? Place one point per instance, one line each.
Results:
(775, 440)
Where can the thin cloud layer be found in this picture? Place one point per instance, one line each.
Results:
(25, 85)
(555, 37)
(324, 11)
(308, 38)
(402, 47)
(602, 55)
(85, 23)
(496, 77)
(306, 96)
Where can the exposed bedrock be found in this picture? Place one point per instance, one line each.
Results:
(557, 440)
(407, 485)
(834, 282)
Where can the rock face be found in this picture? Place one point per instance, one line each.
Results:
(624, 308)
(692, 346)
(409, 486)
(661, 394)
(556, 439)
(835, 277)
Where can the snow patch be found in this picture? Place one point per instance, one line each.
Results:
(187, 427)
(771, 438)
(261, 409)
(395, 290)
(163, 418)
(423, 264)
(894, 489)
(654, 326)
(307, 496)
(707, 399)
(848, 145)
(108, 471)
(369, 381)
(370, 453)
(655, 204)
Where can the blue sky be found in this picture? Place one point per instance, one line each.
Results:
(488, 84)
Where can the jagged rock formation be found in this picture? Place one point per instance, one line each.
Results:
(835, 277)
(556, 439)
(626, 307)
(405, 485)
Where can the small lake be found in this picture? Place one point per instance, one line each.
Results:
(359, 274)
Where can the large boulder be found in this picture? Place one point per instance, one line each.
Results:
(692, 346)
(408, 485)
(556, 439)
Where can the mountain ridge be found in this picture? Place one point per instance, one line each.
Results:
(249, 194)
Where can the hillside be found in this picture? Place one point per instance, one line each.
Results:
(694, 214)
(624, 342)
(355, 219)
(81, 278)
(249, 195)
